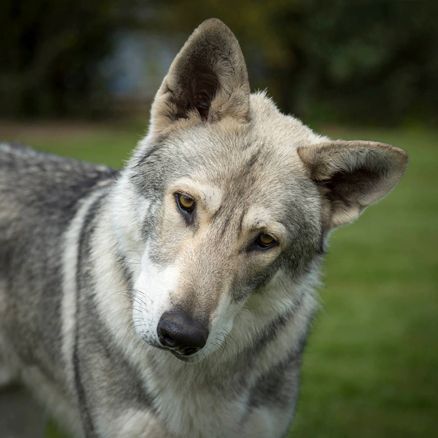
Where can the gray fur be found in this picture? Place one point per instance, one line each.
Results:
(91, 258)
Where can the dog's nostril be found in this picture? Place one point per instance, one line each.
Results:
(178, 329)
(167, 340)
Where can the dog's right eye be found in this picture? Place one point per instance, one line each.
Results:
(263, 242)
(186, 205)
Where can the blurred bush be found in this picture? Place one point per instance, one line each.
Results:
(51, 51)
(372, 60)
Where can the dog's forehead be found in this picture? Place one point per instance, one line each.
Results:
(280, 130)
(250, 174)
(252, 163)
(257, 159)
(269, 138)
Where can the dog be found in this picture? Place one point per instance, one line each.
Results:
(173, 298)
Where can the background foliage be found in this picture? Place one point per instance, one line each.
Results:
(50, 55)
(373, 60)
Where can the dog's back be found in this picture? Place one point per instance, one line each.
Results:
(39, 194)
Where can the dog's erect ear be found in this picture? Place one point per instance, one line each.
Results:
(352, 175)
(207, 80)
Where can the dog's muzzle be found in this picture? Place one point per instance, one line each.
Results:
(181, 334)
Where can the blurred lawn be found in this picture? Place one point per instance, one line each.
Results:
(370, 369)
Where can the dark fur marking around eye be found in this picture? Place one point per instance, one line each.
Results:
(253, 159)
(241, 221)
(217, 213)
(188, 214)
(257, 244)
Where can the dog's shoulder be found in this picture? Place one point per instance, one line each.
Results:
(40, 189)
(32, 176)
(24, 161)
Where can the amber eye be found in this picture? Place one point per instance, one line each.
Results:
(186, 205)
(265, 241)
(186, 202)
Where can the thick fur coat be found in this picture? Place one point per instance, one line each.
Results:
(220, 220)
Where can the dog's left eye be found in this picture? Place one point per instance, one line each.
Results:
(264, 241)
(186, 205)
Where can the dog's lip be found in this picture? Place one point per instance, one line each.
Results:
(182, 357)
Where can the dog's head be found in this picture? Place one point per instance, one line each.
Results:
(227, 202)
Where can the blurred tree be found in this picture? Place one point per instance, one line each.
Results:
(50, 54)
(364, 59)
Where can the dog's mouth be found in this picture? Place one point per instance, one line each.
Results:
(188, 354)
(183, 357)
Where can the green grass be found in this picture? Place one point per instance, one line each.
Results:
(370, 368)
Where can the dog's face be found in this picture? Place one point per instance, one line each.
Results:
(230, 209)
(230, 200)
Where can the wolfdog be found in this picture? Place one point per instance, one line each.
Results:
(173, 298)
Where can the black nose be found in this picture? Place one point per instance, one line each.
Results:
(178, 330)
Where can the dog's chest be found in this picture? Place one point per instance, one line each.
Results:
(198, 407)
(201, 415)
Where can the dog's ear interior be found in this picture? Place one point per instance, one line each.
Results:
(351, 175)
(206, 81)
